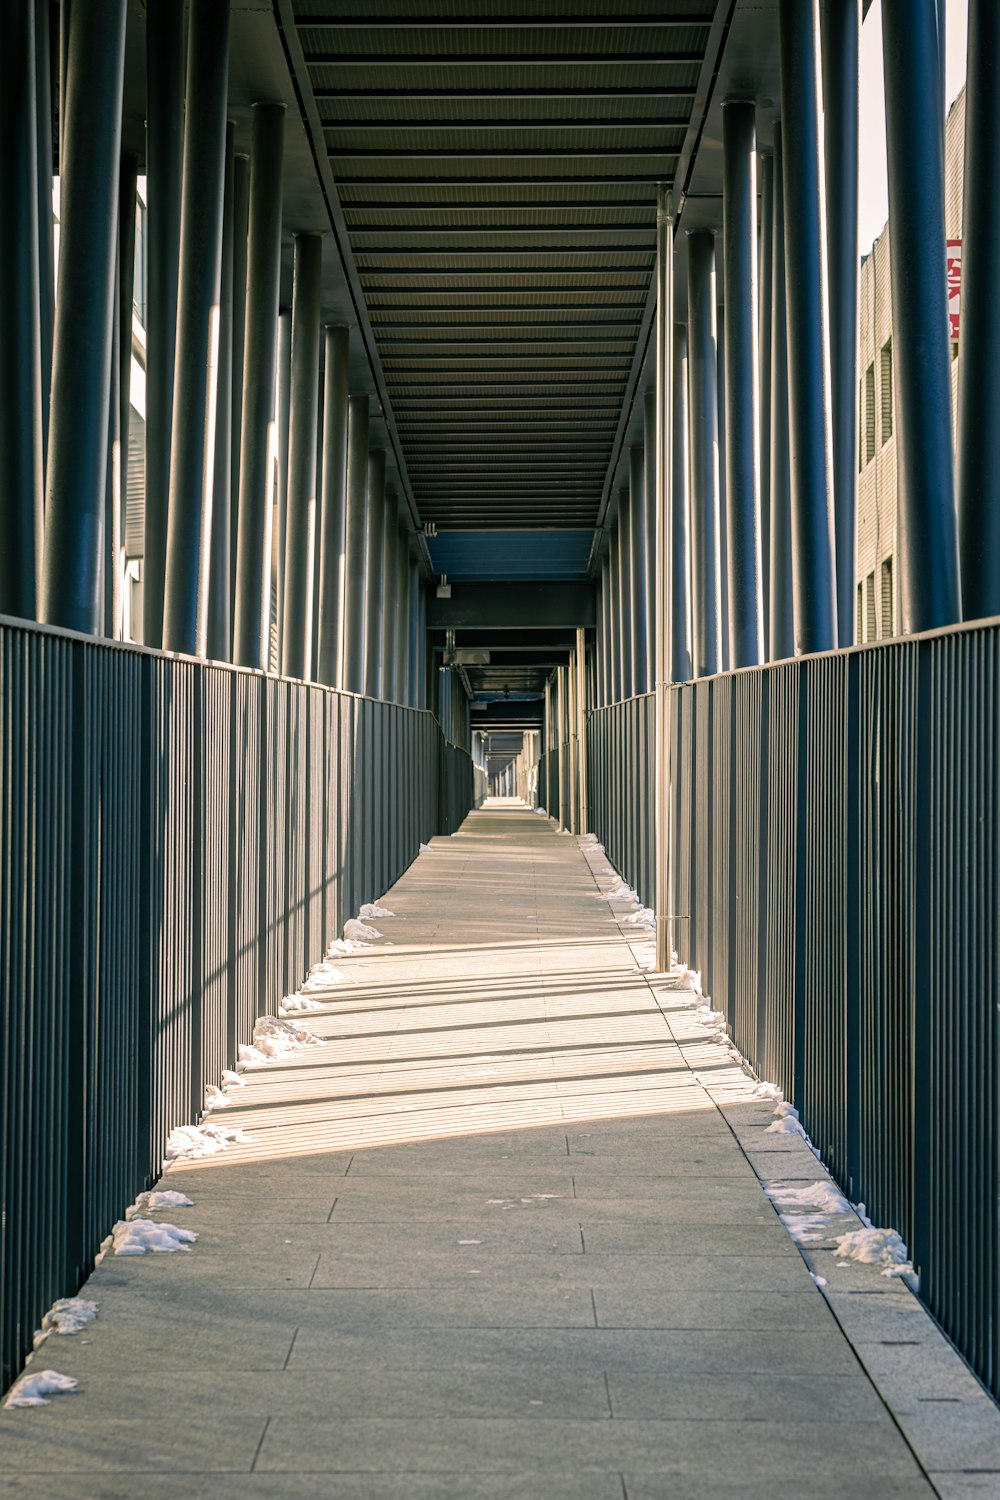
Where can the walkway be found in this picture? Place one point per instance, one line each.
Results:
(492, 1240)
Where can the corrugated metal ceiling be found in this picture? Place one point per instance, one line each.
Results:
(496, 163)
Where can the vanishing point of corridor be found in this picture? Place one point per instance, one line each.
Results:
(500, 1234)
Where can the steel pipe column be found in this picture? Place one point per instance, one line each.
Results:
(84, 326)
(413, 693)
(333, 532)
(374, 577)
(219, 616)
(979, 395)
(680, 554)
(841, 33)
(283, 422)
(21, 481)
(626, 604)
(704, 452)
(300, 523)
(46, 232)
(390, 597)
(581, 730)
(192, 436)
(764, 368)
(164, 134)
(665, 565)
(354, 551)
(615, 617)
(720, 368)
(781, 613)
(607, 692)
(742, 400)
(241, 205)
(649, 511)
(403, 617)
(126, 296)
(927, 525)
(251, 646)
(813, 544)
(641, 680)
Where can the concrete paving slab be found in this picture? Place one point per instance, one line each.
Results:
(507, 1138)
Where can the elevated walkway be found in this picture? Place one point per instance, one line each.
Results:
(493, 1238)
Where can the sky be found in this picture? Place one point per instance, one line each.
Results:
(874, 193)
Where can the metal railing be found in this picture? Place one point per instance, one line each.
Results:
(179, 842)
(837, 867)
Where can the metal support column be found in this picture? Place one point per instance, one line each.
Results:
(126, 295)
(46, 233)
(615, 617)
(283, 423)
(664, 525)
(607, 649)
(403, 618)
(742, 400)
(626, 603)
(220, 628)
(581, 727)
(680, 546)
(764, 369)
(257, 443)
(241, 205)
(390, 597)
(813, 547)
(704, 452)
(927, 524)
(561, 737)
(21, 480)
(720, 370)
(164, 134)
(196, 371)
(421, 701)
(572, 745)
(300, 523)
(781, 614)
(641, 677)
(649, 484)
(979, 393)
(374, 577)
(333, 533)
(354, 552)
(414, 627)
(81, 360)
(841, 35)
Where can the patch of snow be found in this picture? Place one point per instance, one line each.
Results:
(321, 976)
(425, 848)
(35, 1390)
(137, 1236)
(355, 930)
(215, 1098)
(768, 1091)
(293, 1003)
(186, 1142)
(686, 979)
(541, 812)
(372, 909)
(232, 1079)
(876, 1247)
(340, 946)
(274, 1037)
(811, 1197)
(786, 1125)
(67, 1315)
(819, 1280)
(644, 917)
(148, 1203)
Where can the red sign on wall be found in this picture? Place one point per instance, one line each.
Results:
(954, 285)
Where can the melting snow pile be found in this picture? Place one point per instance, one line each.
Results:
(148, 1203)
(644, 917)
(876, 1247)
(66, 1316)
(187, 1142)
(341, 946)
(805, 1211)
(355, 931)
(297, 1003)
(320, 977)
(274, 1038)
(232, 1080)
(136, 1236)
(35, 1390)
(215, 1098)
(372, 909)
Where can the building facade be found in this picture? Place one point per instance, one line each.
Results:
(877, 602)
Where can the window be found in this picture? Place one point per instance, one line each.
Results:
(888, 624)
(870, 413)
(871, 633)
(885, 376)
